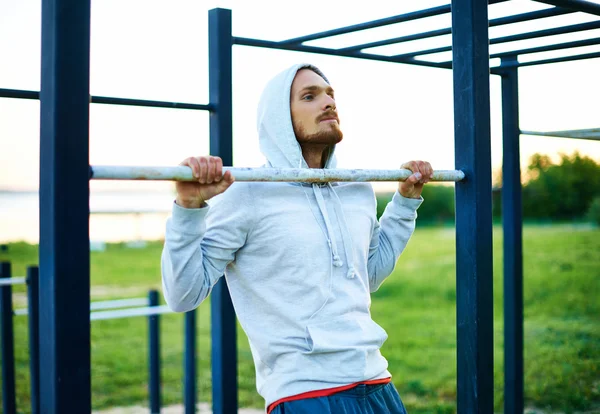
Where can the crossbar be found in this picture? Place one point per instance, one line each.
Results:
(313, 175)
(129, 313)
(593, 55)
(406, 17)
(507, 39)
(109, 100)
(243, 41)
(591, 133)
(12, 281)
(577, 5)
(518, 18)
(548, 48)
(434, 11)
(103, 305)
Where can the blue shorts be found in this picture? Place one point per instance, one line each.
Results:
(362, 399)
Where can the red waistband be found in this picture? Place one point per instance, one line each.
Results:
(325, 393)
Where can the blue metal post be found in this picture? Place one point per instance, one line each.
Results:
(224, 347)
(475, 386)
(513, 242)
(34, 336)
(154, 355)
(64, 255)
(9, 404)
(189, 369)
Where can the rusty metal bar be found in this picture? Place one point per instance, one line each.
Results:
(314, 175)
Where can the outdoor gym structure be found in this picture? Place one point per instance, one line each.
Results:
(65, 174)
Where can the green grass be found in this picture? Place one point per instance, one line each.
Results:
(416, 306)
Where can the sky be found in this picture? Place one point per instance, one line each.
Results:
(390, 113)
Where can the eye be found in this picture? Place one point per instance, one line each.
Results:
(307, 97)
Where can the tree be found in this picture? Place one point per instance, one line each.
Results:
(560, 191)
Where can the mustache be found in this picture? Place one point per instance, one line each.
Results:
(328, 114)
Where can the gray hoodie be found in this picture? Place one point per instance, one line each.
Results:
(301, 261)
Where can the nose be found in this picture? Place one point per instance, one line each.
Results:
(328, 103)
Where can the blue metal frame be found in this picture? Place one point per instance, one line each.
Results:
(33, 294)
(154, 356)
(223, 322)
(576, 5)
(21, 94)
(64, 189)
(189, 363)
(521, 36)
(474, 282)
(242, 41)
(64, 254)
(434, 11)
(7, 344)
(539, 14)
(513, 242)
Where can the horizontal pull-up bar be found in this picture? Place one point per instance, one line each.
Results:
(313, 175)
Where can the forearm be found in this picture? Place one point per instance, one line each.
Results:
(186, 283)
(397, 225)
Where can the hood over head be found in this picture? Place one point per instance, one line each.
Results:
(279, 144)
(276, 135)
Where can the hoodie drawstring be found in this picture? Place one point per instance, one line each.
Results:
(337, 261)
(346, 237)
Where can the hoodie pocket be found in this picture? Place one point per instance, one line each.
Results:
(341, 348)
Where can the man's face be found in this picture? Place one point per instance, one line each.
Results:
(314, 114)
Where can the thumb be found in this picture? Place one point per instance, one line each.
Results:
(409, 184)
(226, 182)
(414, 179)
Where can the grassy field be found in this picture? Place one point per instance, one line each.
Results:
(416, 306)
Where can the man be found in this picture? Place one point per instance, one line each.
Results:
(300, 259)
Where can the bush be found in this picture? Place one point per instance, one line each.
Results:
(594, 211)
(437, 208)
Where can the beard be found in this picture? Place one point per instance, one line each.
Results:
(331, 135)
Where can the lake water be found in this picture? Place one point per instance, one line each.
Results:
(115, 216)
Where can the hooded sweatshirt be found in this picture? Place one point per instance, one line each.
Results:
(300, 260)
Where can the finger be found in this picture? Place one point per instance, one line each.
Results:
(218, 169)
(212, 168)
(192, 162)
(203, 170)
(422, 165)
(429, 170)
